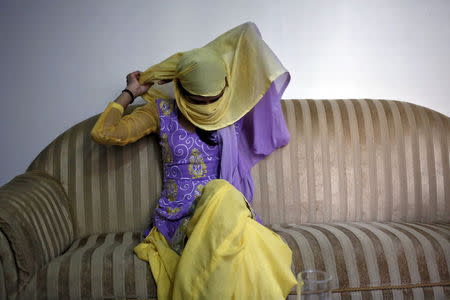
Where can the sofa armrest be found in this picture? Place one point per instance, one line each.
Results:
(36, 221)
(2, 283)
(8, 270)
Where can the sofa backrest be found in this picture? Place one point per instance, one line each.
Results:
(110, 188)
(357, 160)
(348, 160)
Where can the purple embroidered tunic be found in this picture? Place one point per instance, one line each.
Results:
(188, 164)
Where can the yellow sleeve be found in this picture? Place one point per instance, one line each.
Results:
(113, 129)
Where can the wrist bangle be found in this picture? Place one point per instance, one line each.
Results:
(130, 93)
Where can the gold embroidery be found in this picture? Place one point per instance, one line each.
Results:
(172, 211)
(166, 152)
(199, 190)
(197, 167)
(172, 190)
(166, 107)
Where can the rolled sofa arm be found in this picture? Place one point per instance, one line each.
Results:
(8, 270)
(36, 222)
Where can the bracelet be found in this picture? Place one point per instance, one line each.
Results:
(130, 93)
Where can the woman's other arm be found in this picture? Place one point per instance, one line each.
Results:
(113, 129)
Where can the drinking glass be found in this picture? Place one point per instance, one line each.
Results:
(314, 285)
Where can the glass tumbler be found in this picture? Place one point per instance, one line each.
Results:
(314, 285)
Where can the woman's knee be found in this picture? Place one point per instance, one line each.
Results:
(222, 190)
(220, 186)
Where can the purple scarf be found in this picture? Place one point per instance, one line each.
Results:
(256, 135)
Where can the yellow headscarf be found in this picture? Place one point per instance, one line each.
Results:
(238, 62)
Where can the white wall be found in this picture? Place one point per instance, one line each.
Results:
(63, 61)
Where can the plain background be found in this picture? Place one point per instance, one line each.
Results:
(63, 61)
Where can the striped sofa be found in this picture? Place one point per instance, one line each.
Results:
(362, 191)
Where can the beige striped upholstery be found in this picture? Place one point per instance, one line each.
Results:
(362, 191)
(357, 160)
(368, 160)
(372, 255)
(35, 218)
(8, 271)
(3, 294)
(111, 188)
(95, 267)
(363, 258)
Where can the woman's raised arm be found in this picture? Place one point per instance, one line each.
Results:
(112, 128)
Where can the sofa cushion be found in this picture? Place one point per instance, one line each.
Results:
(365, 259)
(95, 267)
(381, 259)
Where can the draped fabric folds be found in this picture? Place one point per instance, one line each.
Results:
(252, 138)
(222, 238)
(249, 65)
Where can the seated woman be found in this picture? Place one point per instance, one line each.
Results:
(206, 242)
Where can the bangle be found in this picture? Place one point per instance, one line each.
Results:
(130, 93)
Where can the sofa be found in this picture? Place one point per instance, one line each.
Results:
(362, 191)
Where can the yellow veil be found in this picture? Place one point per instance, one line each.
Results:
(238, 62)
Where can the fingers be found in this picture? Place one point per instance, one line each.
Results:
(164, 81)
(133, 76)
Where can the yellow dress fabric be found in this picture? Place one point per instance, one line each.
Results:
(113, 129)
(228, 254)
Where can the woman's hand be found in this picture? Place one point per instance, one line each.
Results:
(164, 81)
(134, 86)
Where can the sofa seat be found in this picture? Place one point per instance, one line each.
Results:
(379, 260)
(100, 266)
(373, 259)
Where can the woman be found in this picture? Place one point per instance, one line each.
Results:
(206, 242)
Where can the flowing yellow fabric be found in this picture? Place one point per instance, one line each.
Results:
(240, 55)
(228, 254)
